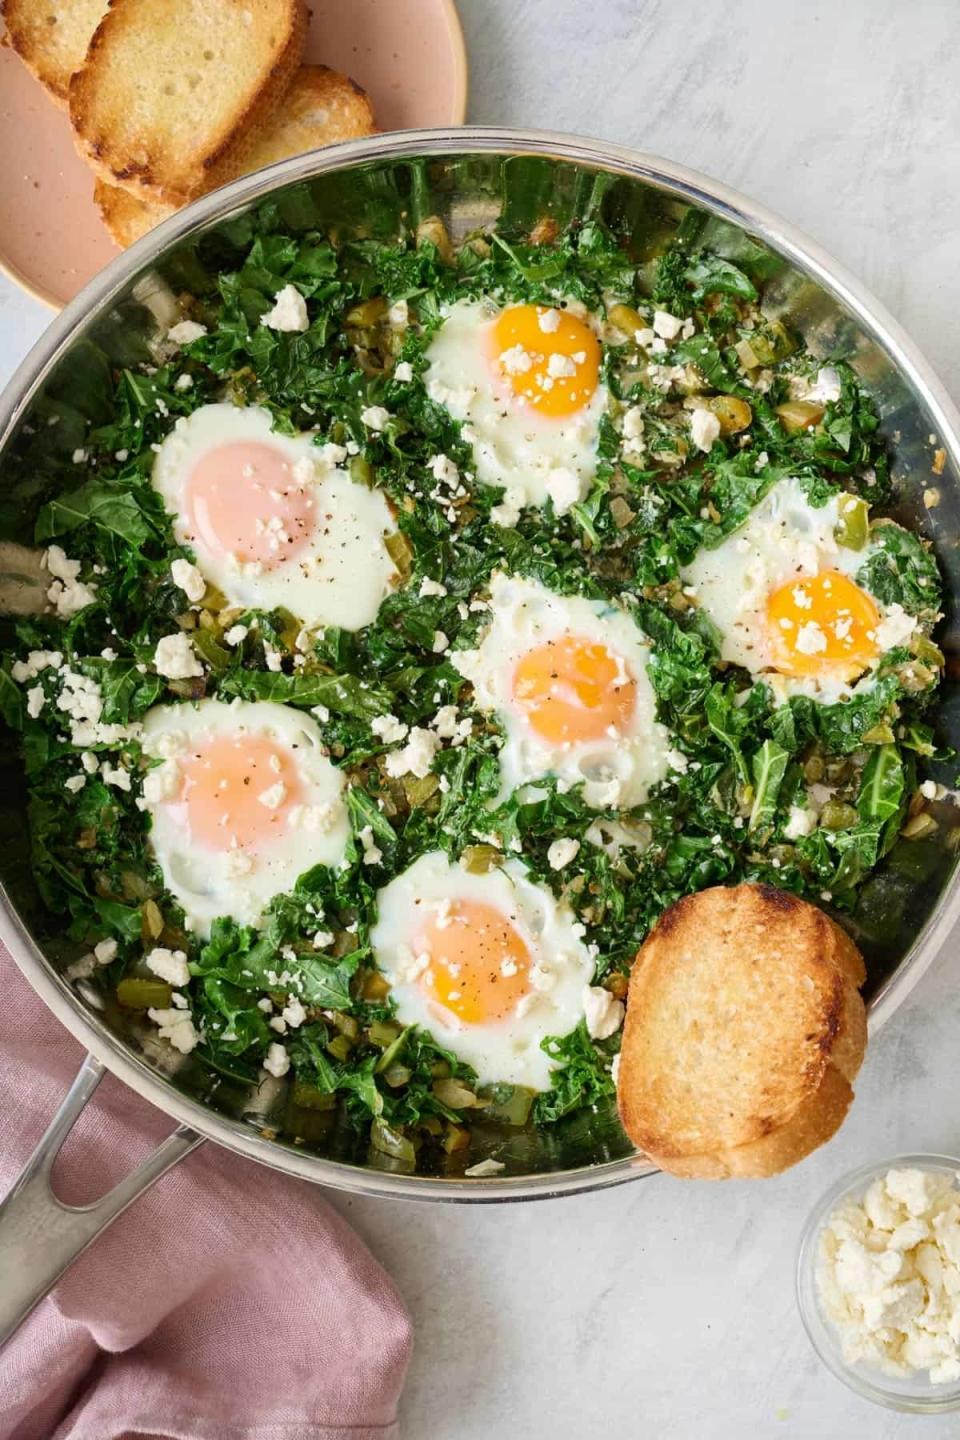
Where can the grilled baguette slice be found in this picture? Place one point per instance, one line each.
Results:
(744, 1032)
(172, 92)
(321, 107)
(51, 37)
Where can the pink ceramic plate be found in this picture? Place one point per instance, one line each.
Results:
(407, 54)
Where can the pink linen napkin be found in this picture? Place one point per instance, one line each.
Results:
(228, 1302)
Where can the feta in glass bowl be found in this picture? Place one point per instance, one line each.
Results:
(878, 1282)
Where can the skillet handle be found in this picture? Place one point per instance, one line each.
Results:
(40, 1236)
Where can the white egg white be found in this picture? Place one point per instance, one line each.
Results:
(618, 770)
(785, 538)
(239, 880)
(536, 457)
(507, 1051)
(343, 574)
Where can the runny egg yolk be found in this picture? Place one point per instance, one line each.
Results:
(573, 689)
(237, 791)
(822, 624)
(244, 500)
(551, 359)
(479, 964)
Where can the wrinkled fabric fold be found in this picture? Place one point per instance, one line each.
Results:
(228, 1302)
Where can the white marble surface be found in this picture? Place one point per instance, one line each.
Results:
(664, 1309)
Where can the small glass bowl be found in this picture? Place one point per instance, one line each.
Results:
(914, 1393)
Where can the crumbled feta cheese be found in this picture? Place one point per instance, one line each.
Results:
(810, 639)
(561, 367)
(602, 1012)
(81, 969)
(431, 587)
(548, 321)
(507, 513)
(375, 417)
(274, 796)
(704, 428)
(403, 372)
(67, 593)
(665, 325)
(563, 487)
(36, 662)
(561, 852)
(372, 854)
(188, 579)
(448, 725)
(928, 789)
(277, 1061)
(289, 311)
(633, 425)
(888, 1275)
(75, 783)
(185, 332)
(182, 382)
(175, 657)
(35, 701)
(416, 757)
(105, 951)
(444, 471)
(440, 642)
(170, 965)
(678, 761)
(483, 1168)
(272, 656)
(236, 634)
(802, 820)
(388, 728)
(516, 360)
(895, 628)
(116, 776)
(176, 1026)
(293, 1012)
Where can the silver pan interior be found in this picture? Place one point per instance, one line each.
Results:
(468, 177)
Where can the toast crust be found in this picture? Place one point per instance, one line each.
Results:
(51, 38)
(146, 160)
(321, 107)
(744, 1032)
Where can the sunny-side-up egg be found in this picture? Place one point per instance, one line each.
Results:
(490, 964)
(243, 801)
(783, 595)
(567, 677)
(272, 520)
(525, 380)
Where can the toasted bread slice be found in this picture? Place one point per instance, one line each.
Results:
(321, 107)
(125, 216)
(744, 1032)
(172, 92)
(51, 37)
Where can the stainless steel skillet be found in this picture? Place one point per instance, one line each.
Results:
(466, 176)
